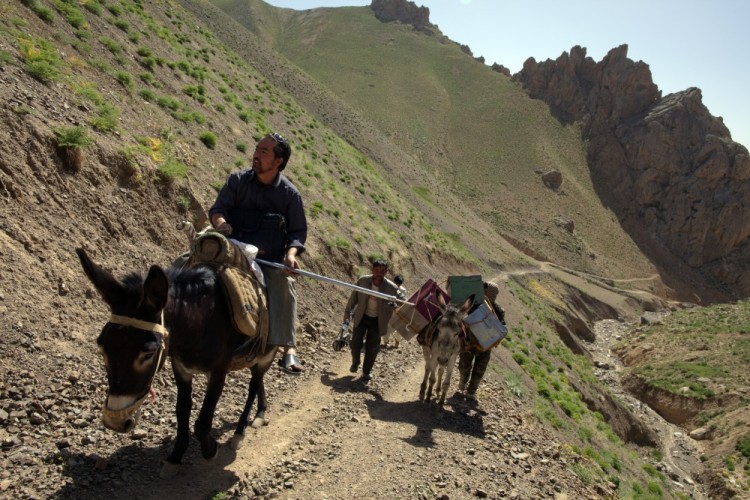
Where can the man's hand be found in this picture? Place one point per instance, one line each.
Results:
(224, 228)
(290, 261)
(221, 225)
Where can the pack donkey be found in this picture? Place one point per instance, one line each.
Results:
(444, 339)
(181, 313)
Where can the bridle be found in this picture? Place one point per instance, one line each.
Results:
(116, 319)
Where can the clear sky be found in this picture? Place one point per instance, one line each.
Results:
(686, 43)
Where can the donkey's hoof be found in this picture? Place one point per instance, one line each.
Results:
(210, 451)
(169, 470)
(258, 422)
(236, 442)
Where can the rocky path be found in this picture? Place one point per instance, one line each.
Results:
(330, 436)
(681, 454)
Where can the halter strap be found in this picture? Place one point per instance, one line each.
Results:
(149, 327)
(140, 324)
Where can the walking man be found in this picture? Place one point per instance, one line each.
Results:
(371, 316)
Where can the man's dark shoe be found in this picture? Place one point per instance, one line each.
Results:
(354, 367)
(367, 377)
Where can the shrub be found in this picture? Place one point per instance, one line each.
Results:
(5, 58)
(122, 24)
(72, 137)
(241, 147)
(92, 6)
(743, 445)
(147, 77)
(40, 59)
(111, 45)
(70, 144)
(171, 170)
(147, 94)
(125, 79)
(71, 13)
(209, 139)
(106, 118)
(168, 102)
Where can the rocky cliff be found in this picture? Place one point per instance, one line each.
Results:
(665, 165)
(402, 11)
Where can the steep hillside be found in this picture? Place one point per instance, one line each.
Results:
(472, 130)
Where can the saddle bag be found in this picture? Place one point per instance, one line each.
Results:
(462, 287)
(484, 327)
(244, 291)
(407, 321)
(247, 301)
(426, 300)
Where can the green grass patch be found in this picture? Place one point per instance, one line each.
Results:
(106, 118)
(72, 137)
(208, 139)
(41, 59)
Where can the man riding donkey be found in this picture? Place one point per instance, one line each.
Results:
(262, 207)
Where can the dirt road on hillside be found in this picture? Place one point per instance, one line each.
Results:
(333, 436)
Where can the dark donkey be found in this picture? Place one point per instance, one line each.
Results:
(181, 313)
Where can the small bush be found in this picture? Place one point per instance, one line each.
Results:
(41, 60)
(125, 79)
(92, 6)
(188, 116)
(111, 45)
(241, 147)
(209, 139)
(106, 118)
(743, 445)
(122, 24)
(168, 102)
(72, 137)
(171, 170)
(147, 94)
(71, 13)
(6, 58)
(147, 77)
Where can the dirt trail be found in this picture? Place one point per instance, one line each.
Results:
(333, 436)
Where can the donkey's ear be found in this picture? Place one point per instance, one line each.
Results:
(156, 288)
(110, 289)
(468, 303)
(440, 300)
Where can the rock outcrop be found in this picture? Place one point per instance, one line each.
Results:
(402, 11)
(665, 165)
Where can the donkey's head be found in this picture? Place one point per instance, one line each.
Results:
(450, 331)
(132, 342)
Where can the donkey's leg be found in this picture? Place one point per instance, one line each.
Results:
(423, 387)
(438, 385)
(259, 372)
(184, 384)
(432, 383)
(447, 380)
(239, 432)
(260, 415)
(203, 423)
(255, 388)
